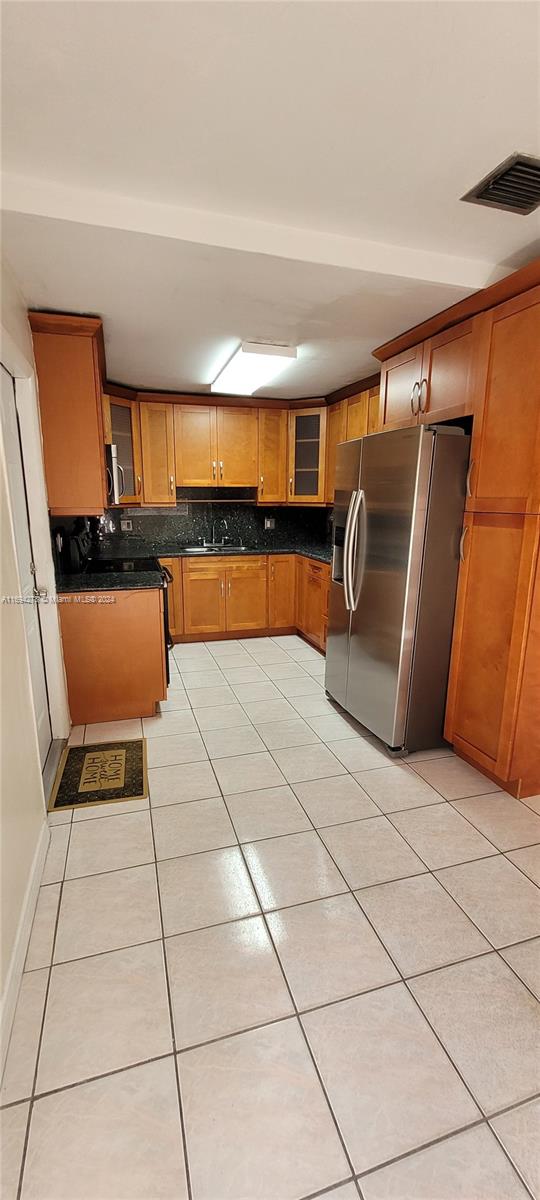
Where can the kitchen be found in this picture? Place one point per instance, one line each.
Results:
(270, 469)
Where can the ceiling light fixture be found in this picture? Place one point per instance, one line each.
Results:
(252, 365)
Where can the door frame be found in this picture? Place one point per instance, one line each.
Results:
(23, 373)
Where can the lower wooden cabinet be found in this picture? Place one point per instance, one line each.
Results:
(281, 591)
(230, 595)
(246, 589)
(114, 653)
(204, 597)
(493, 707)
(175, 597)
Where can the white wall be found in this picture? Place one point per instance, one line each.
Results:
(23, 825)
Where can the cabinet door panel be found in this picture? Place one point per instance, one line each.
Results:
(336, 432)
(446, 390)
(505, 452)
(126, 436)
(281, 591)
(247, 597)
(157, 438)
(398, 378)
(204, 600)
(489, 628)
(71, 422)
(237, 446)
(374, 411)
(301, 567)
(307, 455)
(272, 455)
(316, 602)
(195, 445)
(357, 415)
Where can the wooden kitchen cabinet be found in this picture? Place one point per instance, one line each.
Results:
(400, 385)
(307, 455)
(336, 432)
(316, 580)
(204, 596)
(175, 596)
(504, 473)
(375, 423)
(446, 382)
(246, 592)
(195, 445)
(281, 591)
(273, 424)
(357, 415)
(157, 438)
(69, 359)
(114, 653)
(123, 429)
(237, 447)
(496, 650)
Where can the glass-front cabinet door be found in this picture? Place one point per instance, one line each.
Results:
(307, 452)
(126, 436)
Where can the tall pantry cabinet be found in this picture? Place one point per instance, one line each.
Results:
(493, 710)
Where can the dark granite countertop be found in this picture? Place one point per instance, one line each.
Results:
(113, 581)
(89, 581)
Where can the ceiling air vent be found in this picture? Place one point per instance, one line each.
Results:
(514, 186)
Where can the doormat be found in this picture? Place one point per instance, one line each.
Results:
(101, 774)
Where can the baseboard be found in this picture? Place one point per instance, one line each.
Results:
(18, 957)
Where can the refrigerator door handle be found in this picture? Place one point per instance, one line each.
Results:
(346, 550)
(359, 550)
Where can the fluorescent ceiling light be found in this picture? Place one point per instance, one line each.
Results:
(252, 366)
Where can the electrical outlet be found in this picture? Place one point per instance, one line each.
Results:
(126, 525)
(269, 522)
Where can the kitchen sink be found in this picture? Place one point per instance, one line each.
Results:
(228, 549)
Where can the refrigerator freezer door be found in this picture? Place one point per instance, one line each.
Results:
(394, 479)
(337, 645)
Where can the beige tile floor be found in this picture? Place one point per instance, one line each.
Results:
(300, 969)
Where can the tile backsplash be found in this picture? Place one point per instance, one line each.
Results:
(189, 524)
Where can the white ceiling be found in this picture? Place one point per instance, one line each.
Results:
(205, 173)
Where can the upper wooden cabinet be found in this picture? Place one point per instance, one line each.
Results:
(374, 411)
(237, 446)
(68, 353)
(357, 415)
(215, 446)
(307, 455)
(195, 445)
(432, 381)
(272, 455)
(123, 429)
(157, 437)
(446, 383)
(504, 474)
(336, 432)
(494, 684)
(400, 385)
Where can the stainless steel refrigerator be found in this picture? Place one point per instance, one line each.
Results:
(397, 527)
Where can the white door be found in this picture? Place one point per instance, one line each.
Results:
(23, 546)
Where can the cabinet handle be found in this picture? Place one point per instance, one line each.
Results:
(139, 485)
(290, 486)
(414, 409)
(229, 588)
(222, 587)
(468, 488)
(171, 481)
(462, 543)
(262, 485)
(221, 470)
(214, 464)
(422, 407)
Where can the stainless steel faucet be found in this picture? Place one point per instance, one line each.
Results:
(225, 527)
